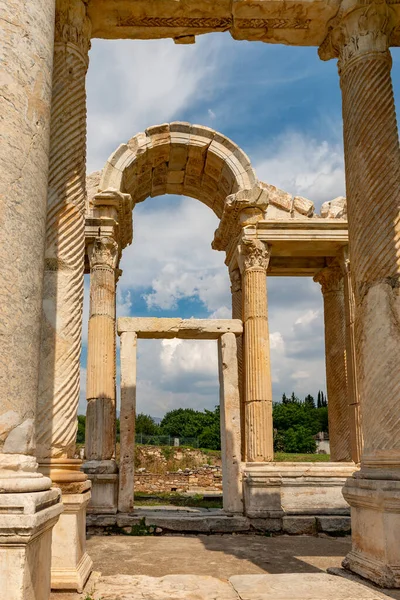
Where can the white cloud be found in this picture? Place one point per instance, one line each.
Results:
(133, 84)
(304, 166)
(189, 356)
(308, 317)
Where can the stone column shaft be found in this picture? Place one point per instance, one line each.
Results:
(230, 423)
(257, 371)
(361, 37)
(100, 388)
(59, 384)
(28, 507)
(356, 440)
(128, 418)
(331, 280)
(237, 306)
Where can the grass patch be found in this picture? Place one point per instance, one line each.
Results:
(286, 457)
(176, 499)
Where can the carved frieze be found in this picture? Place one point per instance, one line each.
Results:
(103, 253)
(236, 280)
(213, 23)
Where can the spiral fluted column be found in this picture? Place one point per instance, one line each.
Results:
(237, 306)
(331, 280)
(257, 388)
(360, 38)
(65, 238)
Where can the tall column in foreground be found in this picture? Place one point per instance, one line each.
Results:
(237, 307)
(28, 507)
(356, 439)
(100, 389)
(361, 40)
(254, 260)
(59, 382)
(331, 280)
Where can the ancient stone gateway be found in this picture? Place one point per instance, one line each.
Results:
(45, 54)
(225, 331)
(264, 232)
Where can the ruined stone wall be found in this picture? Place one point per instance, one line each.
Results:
(205, 478)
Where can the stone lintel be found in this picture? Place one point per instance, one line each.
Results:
(303, 23)
(159, 328)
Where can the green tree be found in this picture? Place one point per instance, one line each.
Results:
(80, 435)
(309, 401)
(146, 425)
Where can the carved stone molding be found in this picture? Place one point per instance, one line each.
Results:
(361, 31)
(254, 254)
(331, 279)
(103, 253)
(222, 24)
(236, 280)
(72, 26)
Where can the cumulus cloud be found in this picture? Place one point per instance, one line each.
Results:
(304, 166)
(133, 84)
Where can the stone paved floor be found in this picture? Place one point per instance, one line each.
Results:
(221, 567)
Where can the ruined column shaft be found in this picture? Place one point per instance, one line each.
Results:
(256, 353)
(100, 389)
(331, 280)
(65, 240)
(356, 439)
(237, 306)
(372, 160)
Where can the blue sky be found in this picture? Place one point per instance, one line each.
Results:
(282, 105)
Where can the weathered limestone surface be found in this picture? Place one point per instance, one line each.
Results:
(230, 424)
(253, 262)
(59, 381)
(274, 489)
(360, 38)
(179, 158)
(164, 328)
(26, 65)
(356, 439)
(100, 390)
(237, 307)
(127, 419)
(331, 280)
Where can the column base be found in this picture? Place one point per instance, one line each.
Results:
(272, 490)
(26, 522)
(70, 563)
(375, 523)
(104, 477)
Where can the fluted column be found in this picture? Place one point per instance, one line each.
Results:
(257, 389)
(100, 389)
(28, 507)
(360, 38)
(237, 304)
(331, 280)
(356, 440)
(65, 238)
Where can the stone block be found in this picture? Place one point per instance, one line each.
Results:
(266, 525)
(299, 525)
(334, 525)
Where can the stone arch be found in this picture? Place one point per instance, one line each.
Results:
(179, 158)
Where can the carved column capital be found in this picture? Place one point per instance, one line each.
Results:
(363, 30)
(103, 253)
(331, 279)
(253, 254)
(236, 280)
(72, 25)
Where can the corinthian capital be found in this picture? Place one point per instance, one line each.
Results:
(72, 25)
(363, 29)
(103, 253)
(331, 279)
(253, 254)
